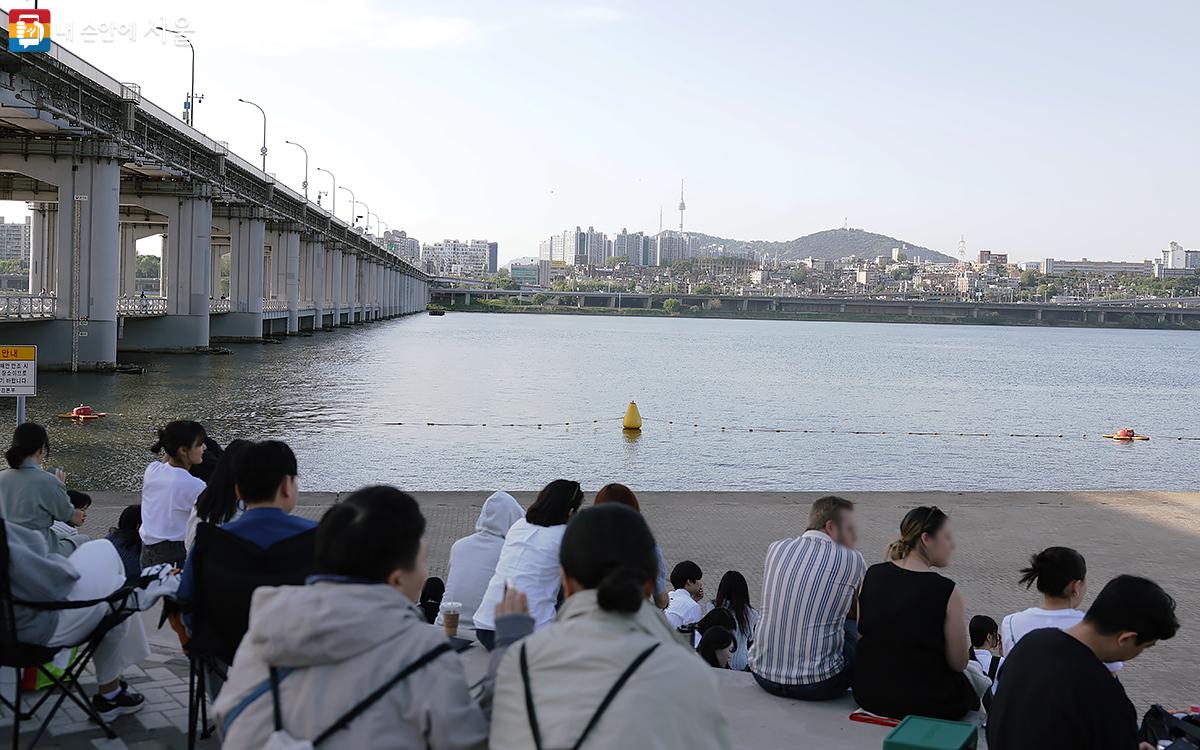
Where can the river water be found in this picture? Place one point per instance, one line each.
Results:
(335, 396)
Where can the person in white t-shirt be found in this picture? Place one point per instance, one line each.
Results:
(169, 492)
(683, 607)
(1061, 576)
(529, 559)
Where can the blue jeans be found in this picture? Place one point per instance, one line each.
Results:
(828, 688)
(487, 638)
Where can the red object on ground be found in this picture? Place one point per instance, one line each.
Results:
(866, 717)
(82, 411)
(1126, 433)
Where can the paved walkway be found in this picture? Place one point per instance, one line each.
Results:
(1148, 533)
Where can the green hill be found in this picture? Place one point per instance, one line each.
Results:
(831, 244)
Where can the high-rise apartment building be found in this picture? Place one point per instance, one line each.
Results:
(597, 247)
(455, 257)
(672, 246)
(629, 246)
(14, 239)
(401, 244)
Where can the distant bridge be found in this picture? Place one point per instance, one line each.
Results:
(850, 306)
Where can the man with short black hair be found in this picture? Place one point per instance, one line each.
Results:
(805, 644)
(352, 632)
(683, 604)
(265, 481)
(1054, 689)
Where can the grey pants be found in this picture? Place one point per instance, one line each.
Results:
(163, 552)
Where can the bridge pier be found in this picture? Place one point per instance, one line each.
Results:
(186, 275)
(336, 266)
(316, 281)
(247, 239)
(43, 247)
(83, 274)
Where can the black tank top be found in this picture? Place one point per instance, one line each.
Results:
(902, 667)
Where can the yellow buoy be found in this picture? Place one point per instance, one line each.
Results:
(633, 418)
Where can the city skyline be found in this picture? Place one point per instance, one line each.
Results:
(1046, 132)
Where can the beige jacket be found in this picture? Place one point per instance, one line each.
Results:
(342, 641)
(670, 702)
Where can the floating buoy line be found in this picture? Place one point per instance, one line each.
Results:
(641, 422)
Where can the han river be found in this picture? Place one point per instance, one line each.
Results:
(728, 405)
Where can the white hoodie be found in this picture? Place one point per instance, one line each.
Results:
(473, 558)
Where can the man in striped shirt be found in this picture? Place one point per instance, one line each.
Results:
(805, 644)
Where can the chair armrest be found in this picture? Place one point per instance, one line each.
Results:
(115, 597)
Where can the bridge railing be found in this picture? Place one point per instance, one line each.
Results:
(135, 307)
(25, 306)
(274, 305)
(218, 306)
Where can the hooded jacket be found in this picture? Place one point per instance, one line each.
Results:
(342, 641)
(473, 558)
(670, 702)
(36, 575)
(34, 498)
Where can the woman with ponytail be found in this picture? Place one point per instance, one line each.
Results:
(169, 492)
(32, 496)
(1060, 574)
(913, 646)
(609, 672)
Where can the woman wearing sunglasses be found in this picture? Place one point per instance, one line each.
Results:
(529, 559)
(913, 645)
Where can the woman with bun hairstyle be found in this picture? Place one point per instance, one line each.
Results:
(1060, 574)
(169, 492)
(913, 646)
(31, 495)
(609, 671)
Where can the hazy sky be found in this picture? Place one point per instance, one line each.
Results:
(1061, 129)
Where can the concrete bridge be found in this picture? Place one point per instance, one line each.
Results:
(856, 307)
(102, 168)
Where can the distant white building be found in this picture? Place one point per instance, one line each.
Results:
(629, 246)
(455, 257)
(403, 245)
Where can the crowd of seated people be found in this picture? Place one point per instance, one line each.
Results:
(333, 641)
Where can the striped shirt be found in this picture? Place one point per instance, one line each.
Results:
(808, 587)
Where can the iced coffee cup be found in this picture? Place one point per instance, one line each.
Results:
(450, 614)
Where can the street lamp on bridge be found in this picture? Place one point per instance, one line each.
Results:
(189, 115)
(305, 183)
(332, 193)
(353, 220)
(264, 146)
(366, 217)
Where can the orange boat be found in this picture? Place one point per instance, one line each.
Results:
(1126, 435)
(83, 413)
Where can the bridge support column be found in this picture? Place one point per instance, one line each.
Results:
(290, 257)
(336, 285)
(247, 236)
(43, 248)
(129, 239)
(186, 277)
(349, 272)
(83, 275)
(1039, 314)
(316, 264)
(356, 280)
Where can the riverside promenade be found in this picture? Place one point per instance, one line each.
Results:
(1155, 534)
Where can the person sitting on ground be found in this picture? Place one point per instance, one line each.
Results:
(804, 647)
(31, 496)
(608, 640)
(431, 597)
(68, 531)
(473, 558)
(529, 559)
(913, 648)
(687, 589)
(619, 493)
(1061, 577)
(169, 492)
(266, 482)
(733, 593)
(716, 617)
(93, 571)
(985, 640)
(717, 646)
(347, 633)
(124, 536)
(219, 502)
(1055, 690)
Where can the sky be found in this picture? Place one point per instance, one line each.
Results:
(1063, 130)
